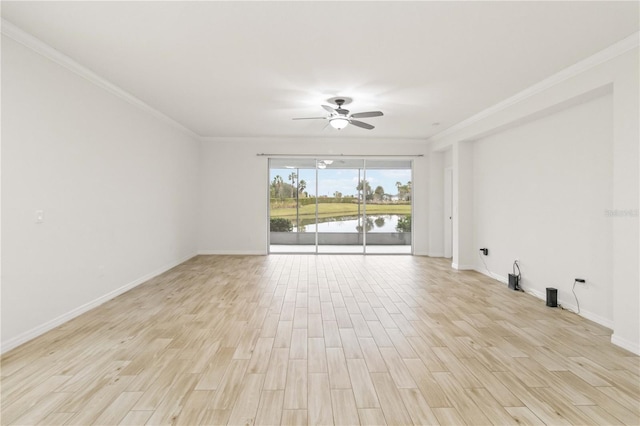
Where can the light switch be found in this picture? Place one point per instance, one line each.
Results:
(39, 216)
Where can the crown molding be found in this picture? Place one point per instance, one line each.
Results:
(40, 47)
(344, 140)
(611, 52)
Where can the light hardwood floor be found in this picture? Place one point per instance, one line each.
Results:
(297, 339)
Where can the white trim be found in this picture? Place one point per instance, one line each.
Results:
(355, 156)
(569, 305)
(38, 46)
(490, 274)
(233, 252)
(371, 139)
(601, 57)
(590, 316)
(49, 325)
(535, 293)
(436, 254)
(542, 296)
(625, 344)
(462, 267)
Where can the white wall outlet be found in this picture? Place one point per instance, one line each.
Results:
(39, 216)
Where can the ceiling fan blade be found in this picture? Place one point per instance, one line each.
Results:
(367, 114)
(361, 124)
(310, 118)
(328, 108)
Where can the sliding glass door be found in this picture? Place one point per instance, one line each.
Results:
(292, 205)
(388, 227)
(339, 205)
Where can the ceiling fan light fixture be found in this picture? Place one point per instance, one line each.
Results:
(339, 118)
(338, 122)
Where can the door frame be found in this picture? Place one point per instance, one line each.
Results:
(364, 206)
(448, 213)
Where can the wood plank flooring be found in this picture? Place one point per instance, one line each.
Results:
(299, 339)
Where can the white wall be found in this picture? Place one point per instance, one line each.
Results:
(463, 248)
(626, 184)
(436, 204)
(235, 221)
(540, 195)
(118, 187)
(613, 70)
(448, 158)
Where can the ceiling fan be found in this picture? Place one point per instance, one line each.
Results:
(340, 118)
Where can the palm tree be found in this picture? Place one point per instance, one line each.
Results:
(292, 178)
(366, 188)
(404, 191)
(302, 185)
(277, 184)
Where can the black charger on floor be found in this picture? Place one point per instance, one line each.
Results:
(514, 280)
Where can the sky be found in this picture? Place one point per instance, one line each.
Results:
(345, 180)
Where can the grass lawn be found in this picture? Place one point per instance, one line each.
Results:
(340, 209)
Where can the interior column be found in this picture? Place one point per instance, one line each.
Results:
(463, 250)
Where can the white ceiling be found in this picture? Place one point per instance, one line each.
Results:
(247, 68)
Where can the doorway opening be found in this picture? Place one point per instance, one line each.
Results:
(340, 205)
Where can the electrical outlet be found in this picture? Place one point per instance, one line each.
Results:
(485, 251)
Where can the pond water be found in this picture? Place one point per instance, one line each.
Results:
(374, 223)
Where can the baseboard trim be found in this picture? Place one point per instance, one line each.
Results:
(436, 254)
(543, 296)
(633, 347)
(492, 275)
(49, 325)
(462, 267)
(569, 305)
(233, 252)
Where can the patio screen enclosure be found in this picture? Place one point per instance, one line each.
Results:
(340, 205)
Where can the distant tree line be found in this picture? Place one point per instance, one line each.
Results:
(404, 191)
(281, 189)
